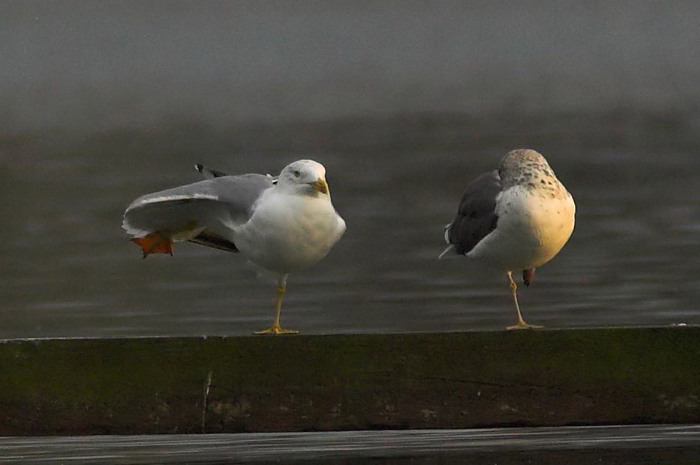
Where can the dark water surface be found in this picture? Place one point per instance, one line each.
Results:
(404, 102)
(619, 445)
(69, 270)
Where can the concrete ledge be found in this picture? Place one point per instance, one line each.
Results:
(342, 382)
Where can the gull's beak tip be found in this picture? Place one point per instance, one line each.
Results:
(320, 185)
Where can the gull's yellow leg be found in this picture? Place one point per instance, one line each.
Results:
(521, 323)
(276, 328)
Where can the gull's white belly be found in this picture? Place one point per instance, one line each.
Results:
(532, 228)
(288, 233)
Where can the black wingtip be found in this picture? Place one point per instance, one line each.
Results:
(208, 172)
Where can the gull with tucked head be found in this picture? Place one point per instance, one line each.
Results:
(281, 224)
(516, 218)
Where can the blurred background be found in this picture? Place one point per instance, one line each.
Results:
(404, 102)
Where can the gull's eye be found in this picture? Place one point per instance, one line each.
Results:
(296, 173)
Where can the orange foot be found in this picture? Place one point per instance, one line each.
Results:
(156, 242)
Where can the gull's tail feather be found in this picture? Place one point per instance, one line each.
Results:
(450, 245)
(447, 233)
(449, 249)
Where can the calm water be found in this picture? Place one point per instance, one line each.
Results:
(404, 102)
(68, 269)
(626, 445)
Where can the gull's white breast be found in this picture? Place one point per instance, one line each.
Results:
(533, 226)
(289, 232)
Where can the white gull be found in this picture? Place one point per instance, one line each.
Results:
(280, 224)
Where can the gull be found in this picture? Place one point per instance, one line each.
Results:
(281, 224)
(516, 218)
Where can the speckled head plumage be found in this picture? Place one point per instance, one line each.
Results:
(521, 166)
(530, 169)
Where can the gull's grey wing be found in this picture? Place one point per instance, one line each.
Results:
(203, 212)
(208, 172)
(476, 216)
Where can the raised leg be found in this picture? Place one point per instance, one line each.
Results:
(521, 323)
(276, 328)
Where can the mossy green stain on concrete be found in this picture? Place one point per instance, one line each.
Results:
(335, 382)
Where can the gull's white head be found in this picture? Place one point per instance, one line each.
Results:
(305, 174)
